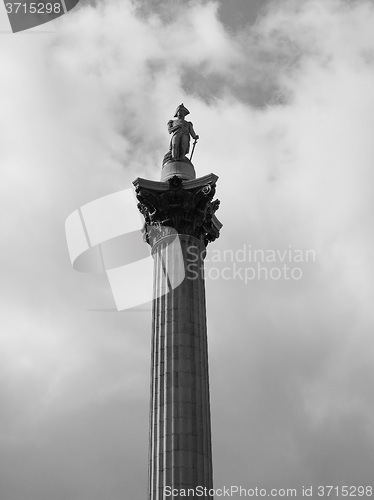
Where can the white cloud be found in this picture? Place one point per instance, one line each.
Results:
(84, 112)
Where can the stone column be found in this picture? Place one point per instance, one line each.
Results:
(180, 222)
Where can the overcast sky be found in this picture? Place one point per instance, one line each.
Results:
(281, 94)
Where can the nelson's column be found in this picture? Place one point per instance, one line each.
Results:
(179, 223)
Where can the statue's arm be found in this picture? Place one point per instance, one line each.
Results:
(192, 131)
(172, 127)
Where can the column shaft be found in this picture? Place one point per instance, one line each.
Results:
(180, 436)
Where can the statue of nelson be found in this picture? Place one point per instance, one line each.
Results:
(181, 131)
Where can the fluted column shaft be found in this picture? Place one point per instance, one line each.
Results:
(180, 435)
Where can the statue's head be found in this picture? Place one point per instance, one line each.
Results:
(181, 111)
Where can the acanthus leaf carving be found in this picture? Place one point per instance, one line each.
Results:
(187, 211)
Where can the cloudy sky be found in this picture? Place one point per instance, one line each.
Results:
(281, 94)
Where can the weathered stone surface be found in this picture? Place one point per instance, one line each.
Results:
(180, 433)
(184, 170)
(178, 206)
(180, 441)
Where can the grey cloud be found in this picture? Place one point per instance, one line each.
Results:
(291, 362)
